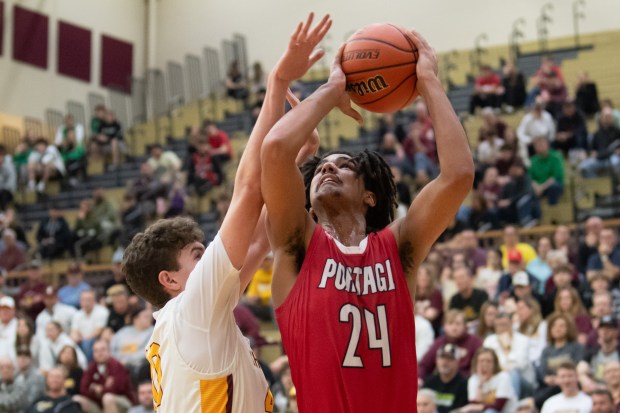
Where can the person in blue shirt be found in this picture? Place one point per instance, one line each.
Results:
(70, 293)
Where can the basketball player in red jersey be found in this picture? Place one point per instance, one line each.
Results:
(342, 267)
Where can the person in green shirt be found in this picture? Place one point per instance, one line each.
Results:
(73, 153)
(20, 156)
(547, 171)
(97, 121)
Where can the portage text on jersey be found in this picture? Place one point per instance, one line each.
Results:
(369, 279)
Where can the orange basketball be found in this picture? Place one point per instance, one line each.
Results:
(379, 61)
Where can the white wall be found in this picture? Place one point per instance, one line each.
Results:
(189, 25)
(186, 26)
(27, 90)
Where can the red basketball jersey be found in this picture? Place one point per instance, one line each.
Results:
(348, 328)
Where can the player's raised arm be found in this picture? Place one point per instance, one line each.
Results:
(282, 182)
(435, 206)
(240, 222)
(260, 243)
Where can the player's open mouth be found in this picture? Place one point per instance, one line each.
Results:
(328, 179)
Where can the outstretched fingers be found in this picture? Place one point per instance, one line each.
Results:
(321, 29)
(291, 98)
(315, 56)
(295, 35)
(308, 24)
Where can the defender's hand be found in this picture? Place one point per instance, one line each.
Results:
(300, 55)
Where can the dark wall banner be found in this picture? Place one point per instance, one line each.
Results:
(30, 34)
(74, 51)
(1, 27)
(116, 63)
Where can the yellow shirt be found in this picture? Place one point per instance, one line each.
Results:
(261, 286)
(527, 252)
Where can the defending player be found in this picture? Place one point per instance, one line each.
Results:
(341, 269)
(199, 359)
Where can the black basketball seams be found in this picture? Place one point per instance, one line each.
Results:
(357, 39)
(413, 48)
(381, 67)
(390, 92)
(416, 55)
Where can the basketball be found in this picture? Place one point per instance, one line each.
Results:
(379, 62)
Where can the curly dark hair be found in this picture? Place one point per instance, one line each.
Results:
(378, 179)
(154, 250)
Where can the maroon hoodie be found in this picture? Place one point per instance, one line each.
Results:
(115, 380)
(467, 346)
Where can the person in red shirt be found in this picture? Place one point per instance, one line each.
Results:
(204, 170)
(221, 149)
(31, 293)
(13, 254)
(488, 90)
(106, 383)
(342, 269)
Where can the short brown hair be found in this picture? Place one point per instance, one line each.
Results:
(602, 392)
(567, 365)
(154, 250)
(571, 330)
(563, 268)
(483, 350)
(452, 315)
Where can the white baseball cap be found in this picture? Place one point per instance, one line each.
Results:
(7, 301)
(521, 278)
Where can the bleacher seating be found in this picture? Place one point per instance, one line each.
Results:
(336, 130)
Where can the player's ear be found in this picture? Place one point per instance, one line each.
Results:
(168, 281)
(313, 215)
(370, 199)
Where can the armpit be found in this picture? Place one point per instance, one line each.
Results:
(295, 247)
(405, 252)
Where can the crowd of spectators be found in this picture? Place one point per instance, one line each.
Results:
(517, 168)
(518, 327)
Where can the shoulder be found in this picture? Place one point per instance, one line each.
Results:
(473, 380)
(423, 323)
(472, 340)
(502, 376)
(116, 365)
(490, 341)
(101, 310)
(522, 338)
(481, 293)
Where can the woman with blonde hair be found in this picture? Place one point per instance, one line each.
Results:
(488, 276)
(567, 301)
(486, 320)
(489, 389)
(428, 297)
(529, 322)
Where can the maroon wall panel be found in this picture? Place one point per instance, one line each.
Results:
(1, 27)
(30, 32)
(116, 63)
(74, 53)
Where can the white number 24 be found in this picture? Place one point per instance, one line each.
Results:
(350, 313)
